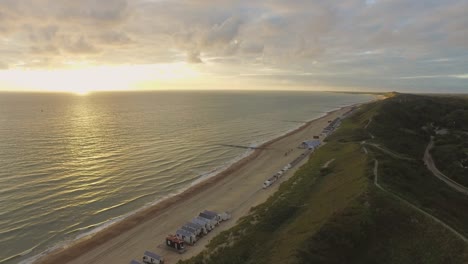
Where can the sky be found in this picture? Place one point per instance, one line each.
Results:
(357, 45)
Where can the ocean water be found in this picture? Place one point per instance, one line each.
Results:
(71, 165)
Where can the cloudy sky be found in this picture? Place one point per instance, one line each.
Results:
(86, 45)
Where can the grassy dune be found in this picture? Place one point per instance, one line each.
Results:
(337, 215)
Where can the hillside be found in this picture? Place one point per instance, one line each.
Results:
(344, 214)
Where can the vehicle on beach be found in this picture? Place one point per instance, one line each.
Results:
(175, 243)
(152, 258)
(189, 237)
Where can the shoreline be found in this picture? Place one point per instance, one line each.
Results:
(141, 216)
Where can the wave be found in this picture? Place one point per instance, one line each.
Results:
(19, 255)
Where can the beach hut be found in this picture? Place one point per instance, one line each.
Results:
(266, 184)
(203, 223)
(152, 258)
(176, 243)
(224, 216)
(187, 236)
(310, 144)
(279, 174)
(200, 228)
(212, 213)
(134, 262)
(219, 216)
(192, 230)
(213, 218)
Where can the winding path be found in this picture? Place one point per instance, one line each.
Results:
(377, 184)
(432, 167)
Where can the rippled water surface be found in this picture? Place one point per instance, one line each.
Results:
(71, 164)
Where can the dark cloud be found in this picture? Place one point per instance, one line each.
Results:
(194, 57)
(80, 46)
(114, 38)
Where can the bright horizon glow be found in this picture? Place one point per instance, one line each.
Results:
(82, 81)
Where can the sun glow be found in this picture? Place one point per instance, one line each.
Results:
(82, 81)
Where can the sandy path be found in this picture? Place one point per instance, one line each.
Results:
(237, 191)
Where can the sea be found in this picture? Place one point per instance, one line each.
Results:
(72, 165)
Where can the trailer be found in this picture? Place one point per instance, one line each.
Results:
(200, 228)
(187, 236)
(152, 258)
(175, 243)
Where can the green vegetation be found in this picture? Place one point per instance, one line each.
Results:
(404, 125)
(379, 229)
(337, 215)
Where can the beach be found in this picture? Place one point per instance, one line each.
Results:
(236, 189)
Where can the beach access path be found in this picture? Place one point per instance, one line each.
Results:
(236, 190)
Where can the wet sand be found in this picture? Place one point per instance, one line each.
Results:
(236, 189)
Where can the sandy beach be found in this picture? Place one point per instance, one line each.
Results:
(236, 189)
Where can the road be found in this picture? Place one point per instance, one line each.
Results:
(432, 167)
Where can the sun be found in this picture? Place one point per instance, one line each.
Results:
(82, 81)
(81, 92)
